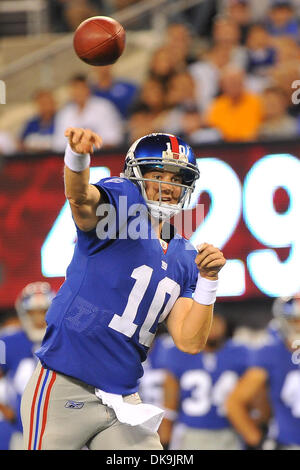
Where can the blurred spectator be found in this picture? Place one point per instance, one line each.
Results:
(37, 134)
(277, 124)
(77, 11)
(287, 51)
(226, 31)
(195, 391)
(261, 54)
(193, 129)
(260, 8)
(147, 114)
(161, 66)
(179, 44)
(66, 15)
(283, 76)
(236, 113)
(206, 74)
(152, 95)
(87, 111)
(57, 18)
(120, 92)
(282, 21)
(140, 123)
(181, 92)
(7, 144)
(199, 17)
(240, 12)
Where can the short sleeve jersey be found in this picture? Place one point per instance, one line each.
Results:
(283, 369)
(18, 367)
(151, 384)
(205, 380)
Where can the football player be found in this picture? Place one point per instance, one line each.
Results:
(274, 366)
(151, 383)
(20, 346)
(195, 390)
(122, 281)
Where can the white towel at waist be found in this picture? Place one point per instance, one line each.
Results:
(149, 416)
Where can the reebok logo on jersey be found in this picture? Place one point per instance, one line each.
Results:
(74, 404)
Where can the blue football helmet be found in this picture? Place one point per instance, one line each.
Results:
(168, 153)
(286, 311)
(34, 296)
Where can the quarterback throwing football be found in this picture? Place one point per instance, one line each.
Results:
(118, 288)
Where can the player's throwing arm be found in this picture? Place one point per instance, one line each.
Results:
(83, 197)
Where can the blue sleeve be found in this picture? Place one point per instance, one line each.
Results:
(118, 191)
(30, 128)
(172, 362)
(244, 354)
(5, 351)
(120, 194)
(163, 344)
(262, 357)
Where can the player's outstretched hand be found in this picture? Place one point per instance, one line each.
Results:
(83, 140)
(210, 261)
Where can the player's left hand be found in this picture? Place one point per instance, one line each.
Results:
(210, 260)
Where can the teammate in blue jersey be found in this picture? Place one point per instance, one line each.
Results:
(196, 388)
(10, 324)
(122, 281)
(20, 361)
(151, 383)
(276, 367)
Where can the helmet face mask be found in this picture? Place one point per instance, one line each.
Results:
(286, 311)
(162, 152)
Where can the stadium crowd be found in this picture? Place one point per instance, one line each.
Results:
(232, 79)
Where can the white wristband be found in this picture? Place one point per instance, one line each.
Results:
(76, 161)
(206, 291)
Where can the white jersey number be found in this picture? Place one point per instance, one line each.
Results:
(125, 323)
(205, 394)
(290, 393)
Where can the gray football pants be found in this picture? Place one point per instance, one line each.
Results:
(60, 412)
(185, 438)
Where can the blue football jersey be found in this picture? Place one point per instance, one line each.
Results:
(20, 362)
(6, 428)
(118, 287)
(17, 347)
(151, 384)
(205, 380)
(284, 388)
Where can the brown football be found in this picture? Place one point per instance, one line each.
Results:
(99, 40)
